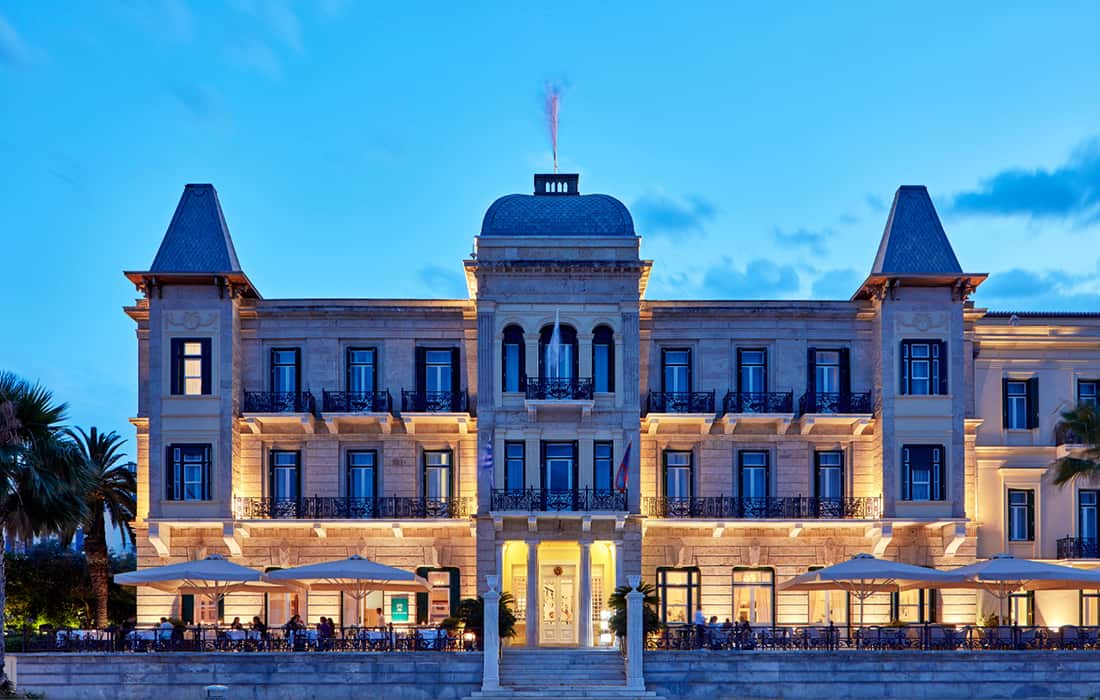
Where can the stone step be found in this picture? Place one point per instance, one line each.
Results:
(619, 693)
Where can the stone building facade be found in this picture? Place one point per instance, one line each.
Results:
(560, 430)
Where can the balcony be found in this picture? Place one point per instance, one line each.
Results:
(278, 411)
(1078, 548)
(773, 507)
(758, 408)
(343, 508)
(671, 408)
(436, 408)
(542, 500)
(851, 409)
(347, 411)
(559, 393)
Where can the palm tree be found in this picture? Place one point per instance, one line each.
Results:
(111, 500)
(650, 619)
(41, 478)
(1083, 424)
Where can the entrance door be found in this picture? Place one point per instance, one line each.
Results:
(558, 604)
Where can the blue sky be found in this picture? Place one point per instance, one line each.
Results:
(355, 148)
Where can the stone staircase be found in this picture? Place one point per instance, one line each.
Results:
(563, 674)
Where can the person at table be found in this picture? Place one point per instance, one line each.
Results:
(294, 624)
(236, 624)
(128, 625)
(166, 628)
(380, 617)
(258, 625)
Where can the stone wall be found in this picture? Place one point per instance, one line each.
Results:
(335, 676)
(903, 675)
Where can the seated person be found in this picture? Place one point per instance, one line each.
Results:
(236, 624)
(258, 625)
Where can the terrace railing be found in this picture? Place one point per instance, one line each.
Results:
(559, 389)
(777, 507)
(344, 508)
(681, 402)
(435, 401)
(759, 402)
(357, 402)
(577, 500)
(278, 402)
(1078, 548)
(835, 402)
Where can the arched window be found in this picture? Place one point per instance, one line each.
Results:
(514, 363)
(566, 350)
(603, 359)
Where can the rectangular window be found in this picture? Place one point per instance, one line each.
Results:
(188, 477)
(827, 607)
(602, 466)
(437, 475)
(1090, 609)
(559, 474)
(754, 595)
(677, 475)
(286, 370)
(511, 366)
(601, 367)
(286, 475)
(923, 473)
(676, 371)
(362, 475)
(438, 371)
(362, 370)
(515, 466)
(1088, 500)
(1020, 406)
(1021, 515)
(752, 370)
(1086, 393)
(678, 592)
(1021, 608)
(191, 367)
(914, 606)
(923, 367)
(753, 474)
(829, 475)
(827, 371)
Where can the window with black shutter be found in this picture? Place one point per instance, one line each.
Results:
(1020, 403)
(1021, 515)
(191, 367)
(923, 367)
(923, 473)
(187, 472)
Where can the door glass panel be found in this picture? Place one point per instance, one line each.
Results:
(827, 376)
(752, 595)
(511, 367)
(830, 475)
(284, 374)
(360, 370)
(677, 371)
(284, 468)
(439, 598)
(437, 475)
(1087, 511)
(361, 475)
(754, 475)
(559, 466)
(678, 475)
(601, 369)
(437, 370)
(751, 380)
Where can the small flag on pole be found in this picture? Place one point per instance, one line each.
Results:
(621, 475)
(553, 350)
(486, 464)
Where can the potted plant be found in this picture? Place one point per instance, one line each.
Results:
(471, 612)
(617, 603)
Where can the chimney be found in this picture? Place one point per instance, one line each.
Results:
(557, 184)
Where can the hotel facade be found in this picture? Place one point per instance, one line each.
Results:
(560, 430)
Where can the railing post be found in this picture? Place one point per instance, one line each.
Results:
(490, 677)
(635, 635)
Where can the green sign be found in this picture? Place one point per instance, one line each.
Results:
(399, 609)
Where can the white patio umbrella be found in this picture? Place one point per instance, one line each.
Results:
(212, 577)
(1003, 574)
(355, 575)
(863, 575)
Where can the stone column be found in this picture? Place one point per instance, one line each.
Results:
(584, 607)
(532, 593)
(490, 679)
(635, 635)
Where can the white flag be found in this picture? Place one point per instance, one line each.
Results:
(553, 350)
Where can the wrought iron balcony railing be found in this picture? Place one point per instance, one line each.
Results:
(759, 402)
(434, 401)
(357, 402)
(578, 500)
(835, 402)
(681, 402)
(1079, 548)
(559, 389)
(344, 508)
(780, 507)
(278, 402)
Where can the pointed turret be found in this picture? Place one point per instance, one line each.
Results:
(197, 247)
(915, 250)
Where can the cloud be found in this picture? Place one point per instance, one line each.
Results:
(202, 103)
(13, 50)
(875, 203)
(1048, 290)
(674, 217)
(760, 279)
(1069, 191)
(443, 281)
(836, 284)
(813, 240)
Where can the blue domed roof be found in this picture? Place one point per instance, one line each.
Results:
(563, 213)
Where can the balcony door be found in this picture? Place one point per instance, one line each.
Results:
(559, 474)
(438, 379)
(558, 624)
(558, 360)
(1087, 505)
(676, 371)
(828, 380)
(752, 371)
(362, 376)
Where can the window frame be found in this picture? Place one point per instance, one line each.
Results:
(1027, 496)
(665, 365)
(742, 365)
(597, 445)
(828, 593)
(349, 365)
(1092, 595)
(510, 462)
(272, 466)
(742, 468)
(734, 585)
(179, 357)
(175, 472)
(1029, 596)
(927, 605)
(297, 365)
(936, 363)
(1095, 506)
(937, 471)
(1094, 398)
(568, 338)
(1030, 397)
(451, 475)
(349, 468)
(819, 468)
(690, 469)
(603, 336)
(693, 586)
(513, 335)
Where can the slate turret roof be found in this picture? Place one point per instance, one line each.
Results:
(198, 239)
(914, 242)
(557, 208)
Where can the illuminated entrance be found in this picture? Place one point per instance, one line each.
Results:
(558, 605)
